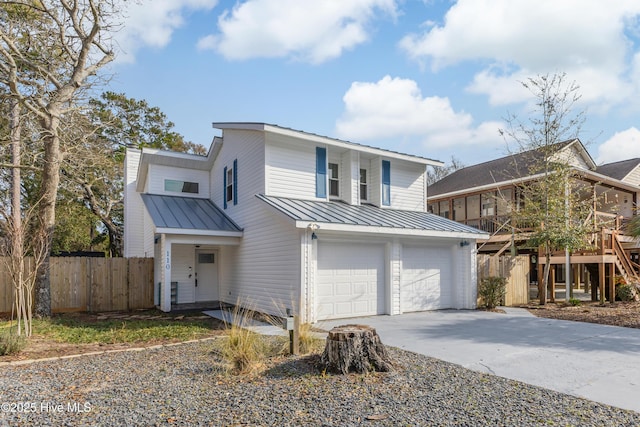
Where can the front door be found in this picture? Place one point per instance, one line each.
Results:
(206, 276)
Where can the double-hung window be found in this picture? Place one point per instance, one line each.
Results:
(230, 184)
(364, 185)
(229, 189)
(334, 180)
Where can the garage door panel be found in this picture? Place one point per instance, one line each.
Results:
(425, 278)
(350, 280)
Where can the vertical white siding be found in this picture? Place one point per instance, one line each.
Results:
(290, 168)
(133, 208)
(158, 173)
(349, 181)
(264, 270)
(464, 283)
(182, 259)
(394, 250)
(407, 186)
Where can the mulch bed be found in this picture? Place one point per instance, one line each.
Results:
(625, 314)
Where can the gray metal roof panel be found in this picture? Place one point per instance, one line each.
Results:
(335, 212)
(187, 213)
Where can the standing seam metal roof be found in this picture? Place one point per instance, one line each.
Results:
(187, 213)
(363, 215)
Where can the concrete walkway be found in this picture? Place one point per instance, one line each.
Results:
(251, 324)
(597, 362)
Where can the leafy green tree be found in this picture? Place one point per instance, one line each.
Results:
(93, 165)
(552, 205)
(50, 54)
(127, 122)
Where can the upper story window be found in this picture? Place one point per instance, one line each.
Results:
(178, 186)
(229, 189)
(230, 184)
(364, 185)
(386, 183)
(334, 180)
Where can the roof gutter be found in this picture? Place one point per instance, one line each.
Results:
(346, 228)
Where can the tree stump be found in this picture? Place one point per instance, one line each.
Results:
(355, 348)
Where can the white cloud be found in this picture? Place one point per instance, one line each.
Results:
(621, 146)
(587, 39)
(395, 108)
(310, 31)
(152, 23)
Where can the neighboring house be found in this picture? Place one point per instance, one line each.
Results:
(282, 219)
(481, 196)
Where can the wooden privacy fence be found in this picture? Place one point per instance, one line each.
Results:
(91, 284)
(514, 269)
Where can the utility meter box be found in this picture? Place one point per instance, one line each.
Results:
(287, 323)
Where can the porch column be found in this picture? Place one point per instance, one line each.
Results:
(392, 279)
(165, 265)
(308, 262)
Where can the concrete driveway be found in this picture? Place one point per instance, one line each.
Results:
(597, 362)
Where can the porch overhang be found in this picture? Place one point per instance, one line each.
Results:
(204, 233)
(189, 216)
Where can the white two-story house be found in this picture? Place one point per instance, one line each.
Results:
(276, 218)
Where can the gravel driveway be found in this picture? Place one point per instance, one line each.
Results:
(186, 385)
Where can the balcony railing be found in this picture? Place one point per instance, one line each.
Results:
(501, 224)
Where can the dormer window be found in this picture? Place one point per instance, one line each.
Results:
(364, 185)
(177, 186)
(334, 180)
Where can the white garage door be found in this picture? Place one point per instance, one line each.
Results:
(350, 280)
(426, 278)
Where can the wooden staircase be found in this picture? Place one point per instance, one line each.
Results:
(628, 269)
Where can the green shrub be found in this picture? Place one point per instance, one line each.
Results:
(11, 343)
(575, 302)
(492, 290)
(625, 292)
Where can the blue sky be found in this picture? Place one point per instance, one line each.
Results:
(434, 78)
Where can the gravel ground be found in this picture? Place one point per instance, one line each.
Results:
(188, 385)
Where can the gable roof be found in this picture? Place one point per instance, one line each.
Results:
(174, 214)
(340, 216)
(619, 170)
(514, 167)
(319, 139)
